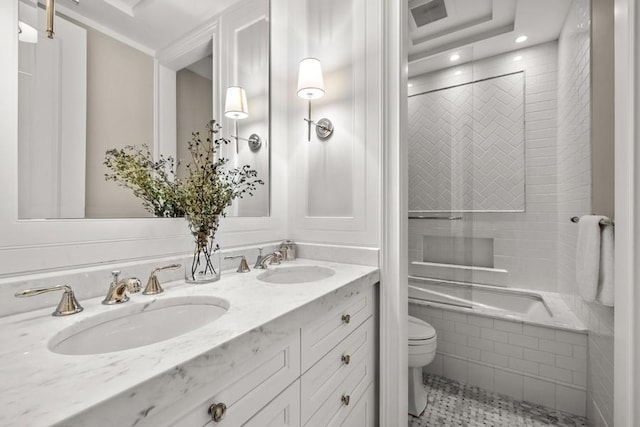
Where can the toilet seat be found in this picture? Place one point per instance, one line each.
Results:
(420, 332)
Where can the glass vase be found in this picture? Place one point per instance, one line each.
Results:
(205, 263)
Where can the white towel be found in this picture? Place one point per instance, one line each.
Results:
(594, 260)
(588, 257)
(606, 277)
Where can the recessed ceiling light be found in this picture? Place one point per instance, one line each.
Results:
(517, 58)
(521, 39)
(410, 85)
(457, 73)
(454, 57)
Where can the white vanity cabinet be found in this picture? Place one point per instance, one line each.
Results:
(322, 374)
(340, 383)
(334, 384)
(243, 392)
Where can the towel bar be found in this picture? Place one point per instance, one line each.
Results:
(575, 219)
(448, 218)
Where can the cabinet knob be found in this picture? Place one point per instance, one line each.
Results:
(346, 318)
(346, 359)
(345, 399)
(217, 411)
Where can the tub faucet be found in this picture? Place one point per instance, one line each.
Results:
(272, 258)
(118, 288)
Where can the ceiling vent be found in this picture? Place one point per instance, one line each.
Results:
(426, 13)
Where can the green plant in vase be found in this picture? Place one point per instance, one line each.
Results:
(201, 197)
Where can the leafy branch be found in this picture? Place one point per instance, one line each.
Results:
(153, 182)
(202, 196)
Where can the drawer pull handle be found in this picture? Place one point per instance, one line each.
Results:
(217, 411)
(346, 318)
(346, 359)
(345, 399)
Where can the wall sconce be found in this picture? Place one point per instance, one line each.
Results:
(235, 107)
(311, 86)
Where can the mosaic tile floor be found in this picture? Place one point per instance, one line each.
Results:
(453, 404)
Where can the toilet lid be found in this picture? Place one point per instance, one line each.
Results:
(420, 330)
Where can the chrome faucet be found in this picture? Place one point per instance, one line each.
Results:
(67, 305)
(118, 288)
(243, 267)
(259, 259)
(272, 258)
(153, 284)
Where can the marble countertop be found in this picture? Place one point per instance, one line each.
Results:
(42, 388)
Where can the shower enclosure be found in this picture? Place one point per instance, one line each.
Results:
(500, 160)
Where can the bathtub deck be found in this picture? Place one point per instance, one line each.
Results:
(453, 404)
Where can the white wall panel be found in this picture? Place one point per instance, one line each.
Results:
(244, 61)
(334, 184)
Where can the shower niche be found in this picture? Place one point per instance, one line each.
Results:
(456, 250)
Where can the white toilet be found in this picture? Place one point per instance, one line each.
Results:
(422, 350)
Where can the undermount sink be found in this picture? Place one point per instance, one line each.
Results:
(296, 274)
(138, 324)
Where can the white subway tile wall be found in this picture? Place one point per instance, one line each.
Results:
(524, 243)
(574, 199)
(466, 146)
(510, 357)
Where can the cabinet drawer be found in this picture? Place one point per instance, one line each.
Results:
(323, 334)
(283, 411)
(321, 381)
(338, 404)
(243, 390)
(364, 413)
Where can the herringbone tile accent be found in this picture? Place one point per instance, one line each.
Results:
(466, 147)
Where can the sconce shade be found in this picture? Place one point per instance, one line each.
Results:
(27, 33)
(310, 80)
(235, 105)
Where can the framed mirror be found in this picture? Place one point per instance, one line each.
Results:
(135, 72)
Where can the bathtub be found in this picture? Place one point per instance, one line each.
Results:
(521, 343)
(532, 307)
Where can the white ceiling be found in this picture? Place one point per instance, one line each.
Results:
(477, 29)
(150, 24)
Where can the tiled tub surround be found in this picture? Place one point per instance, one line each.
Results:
(466, 147)
(542, 365)
(575, 198)
(524, 243)
(121, 388)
